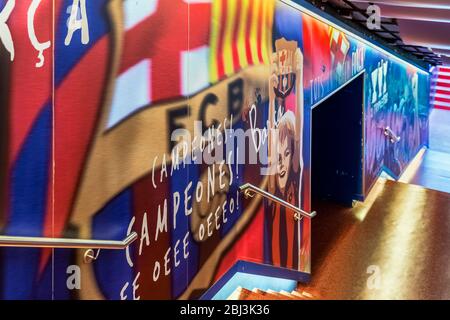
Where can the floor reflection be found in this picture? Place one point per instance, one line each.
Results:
(433, 170)
(395, 245)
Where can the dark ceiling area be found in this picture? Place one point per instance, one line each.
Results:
(418, 29)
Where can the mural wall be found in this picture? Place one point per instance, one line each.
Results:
(396, 96)
(147, 116)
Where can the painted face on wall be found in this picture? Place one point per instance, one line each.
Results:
(284, 163)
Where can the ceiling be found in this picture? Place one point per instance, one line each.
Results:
(420, 28)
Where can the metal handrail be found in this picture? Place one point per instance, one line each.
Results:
(248, 189)
(58, 243)
(391, 135)
(41, 242)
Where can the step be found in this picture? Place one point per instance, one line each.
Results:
(279, 295)
(266, 295)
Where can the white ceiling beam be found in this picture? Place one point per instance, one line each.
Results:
(437, 4)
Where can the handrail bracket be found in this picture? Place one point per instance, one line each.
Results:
(250, 190)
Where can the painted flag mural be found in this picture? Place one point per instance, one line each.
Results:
(146, 116)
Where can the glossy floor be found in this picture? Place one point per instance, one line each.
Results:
(395, 245)
(433, 171)
(440, 130)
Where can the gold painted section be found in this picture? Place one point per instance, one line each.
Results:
(120, 151)
(254, 30)
(214, 41)
(395, 247)
(227, 53)
(242, 34)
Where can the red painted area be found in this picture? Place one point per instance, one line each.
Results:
(444, 92)
(259, 37)
(30, 87)
(220, 57)
(249, 247)
(443, 84)
(248, 47)
(316, 50)
(446, 100)
(146, 200)
(236, 62)
(443, 77)
(441, 107)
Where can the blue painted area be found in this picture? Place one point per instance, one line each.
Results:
(29, 187)
(43, 286)
(112, 270)
(252, 281)
(179, 182)
(66, 57)
(193, 259)
(62, 259)
(238, 180)
(288, 24)
(398, 104)
(30, 177)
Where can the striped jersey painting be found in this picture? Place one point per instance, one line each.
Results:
(440, 88)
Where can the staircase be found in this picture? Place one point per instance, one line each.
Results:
(440, 88)
(257, 294)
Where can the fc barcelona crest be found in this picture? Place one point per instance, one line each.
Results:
(285, 51)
